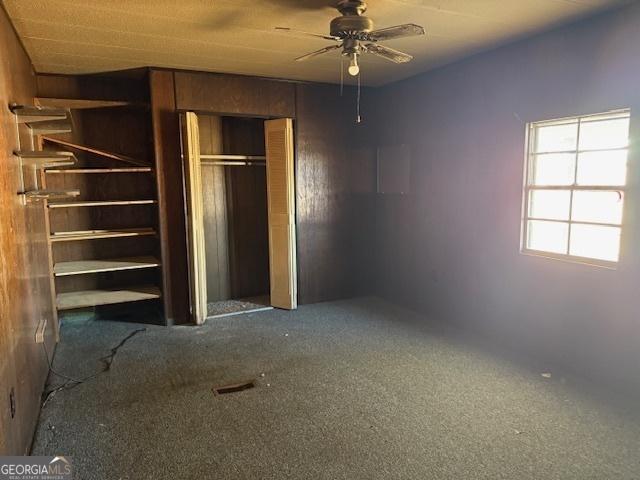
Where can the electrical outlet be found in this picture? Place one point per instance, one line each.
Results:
(42, 326)
(12, 402)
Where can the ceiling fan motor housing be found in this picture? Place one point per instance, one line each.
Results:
(354, 34)
(350, 26)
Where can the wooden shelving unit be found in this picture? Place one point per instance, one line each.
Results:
(28, 114)
(102, 203)
(95, 151)
(38, 195)
(95, 298)
(82, 267)
(100, 234)
(40, 159)
(92, 247)
(71, 171)
(78, 104)
(50, 127)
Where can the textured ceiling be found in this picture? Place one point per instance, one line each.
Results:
(238, 36)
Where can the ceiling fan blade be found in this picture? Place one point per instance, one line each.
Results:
(399, 31)
(388, 53)
(306, 34)
(317, 52)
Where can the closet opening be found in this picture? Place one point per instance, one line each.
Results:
(236, 235)
(240, 214)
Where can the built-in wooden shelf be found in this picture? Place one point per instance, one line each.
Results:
(82, 267)
(78, 104)
(50, 194)
(50, 127)
(94, 298)
(102, 203)
(37, 114)
(115, 125)
(96, 151)
(100, 170)
(45, 159)
(99, 234)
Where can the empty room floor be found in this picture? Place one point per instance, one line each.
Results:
(351, 390)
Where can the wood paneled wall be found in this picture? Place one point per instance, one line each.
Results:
(216, 221)
(170, 181)
(234, 95)
(248, 231)
(247, 206)
(235, 209)
(335, 182)
(25, 293)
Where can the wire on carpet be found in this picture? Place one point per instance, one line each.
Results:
(74, 382)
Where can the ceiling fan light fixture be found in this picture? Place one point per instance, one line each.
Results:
(354, 68)
(355, 34)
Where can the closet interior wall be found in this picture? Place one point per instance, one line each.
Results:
(235, 209)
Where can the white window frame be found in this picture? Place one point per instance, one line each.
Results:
(528, 187)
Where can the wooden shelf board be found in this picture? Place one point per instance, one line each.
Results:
(51, 194)
(44, 154)
(99, 234)
(82, 267)
(50, 127)
(43, 163)
(108, 203)
(36, 114)
(94, 298)
(96, 151)
(100, 170)
(76, 103)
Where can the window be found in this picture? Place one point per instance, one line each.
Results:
(575, 186)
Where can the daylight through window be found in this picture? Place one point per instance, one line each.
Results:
(575, 187)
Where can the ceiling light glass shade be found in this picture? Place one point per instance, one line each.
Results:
(354, 69)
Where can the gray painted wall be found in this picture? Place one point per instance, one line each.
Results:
(451, 248)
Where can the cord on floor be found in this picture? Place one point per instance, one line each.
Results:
(73, 382)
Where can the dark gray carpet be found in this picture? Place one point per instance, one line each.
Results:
(351, 390)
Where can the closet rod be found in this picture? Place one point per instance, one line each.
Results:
(232, 157)
(223, 163)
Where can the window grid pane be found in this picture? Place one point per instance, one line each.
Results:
(595, 241)
(553, 169)
(572, 157)
(546, 236)
(550, 204)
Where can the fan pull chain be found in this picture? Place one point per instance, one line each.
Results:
(358, 118)
(341, 75)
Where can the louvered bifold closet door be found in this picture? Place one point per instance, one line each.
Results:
(195, 219)
(281, 203)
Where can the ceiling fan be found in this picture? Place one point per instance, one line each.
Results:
(354, 34)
